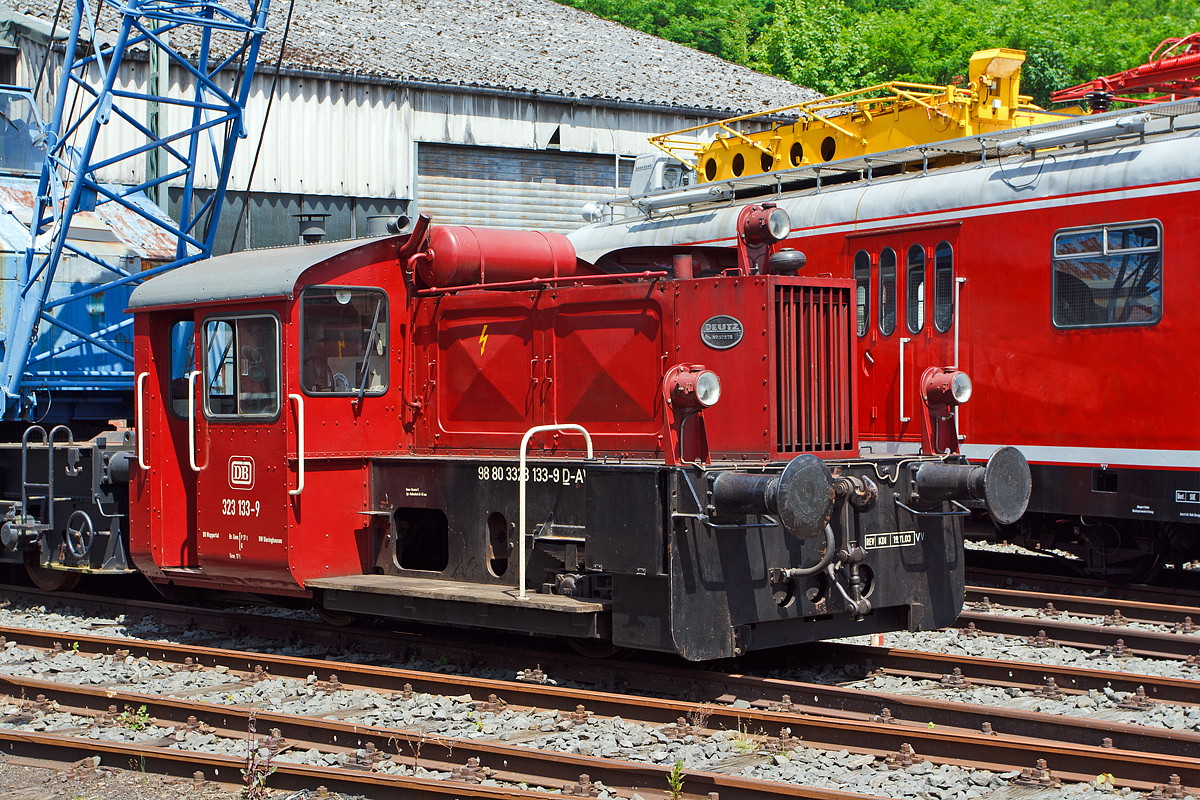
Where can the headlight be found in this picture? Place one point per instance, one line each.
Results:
(708, 389)
(765, 224)
(779, 224)
(960, 388)
(945, 386)
(692, 386)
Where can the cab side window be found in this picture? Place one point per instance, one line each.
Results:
(183, 361)
(943, 287)
(914, 295)
(241, 366)
(887, 291)
(344, 341)
(862, 290)
(1107, 275)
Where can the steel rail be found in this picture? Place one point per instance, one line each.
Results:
(668, 680)
(855, 703)
(1131, 611)
(968, 749)
(505, 763)
(1148, 644)
(981, 581)
(290, 777)
(698, 684)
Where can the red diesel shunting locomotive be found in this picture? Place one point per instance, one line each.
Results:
(348, 422)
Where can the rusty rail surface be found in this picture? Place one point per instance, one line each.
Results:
(999, 751)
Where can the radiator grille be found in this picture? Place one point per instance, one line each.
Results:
(813, 369)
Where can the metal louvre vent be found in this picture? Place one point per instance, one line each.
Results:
(812, 368)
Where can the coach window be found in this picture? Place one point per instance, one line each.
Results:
(914, 295)
(862, 277)
(344, 341)
(887, 291)
(1108, 275)
(943, 287)
(183, 361)
(241, 366)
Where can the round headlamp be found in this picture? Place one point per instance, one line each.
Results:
(960, 387)
(946, 386)
(766, 224)
(708, 388)
(779, 224)
(693, 386)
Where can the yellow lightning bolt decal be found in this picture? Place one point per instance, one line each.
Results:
(482, 339)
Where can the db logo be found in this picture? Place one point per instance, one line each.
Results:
(241, 472)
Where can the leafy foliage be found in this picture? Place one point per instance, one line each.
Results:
(838, 45)
(725, 28)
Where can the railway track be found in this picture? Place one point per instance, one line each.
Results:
(822, 716)
(1116, 625)
(362, 747)
(1143, 758)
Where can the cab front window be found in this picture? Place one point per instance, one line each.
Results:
(344, 341)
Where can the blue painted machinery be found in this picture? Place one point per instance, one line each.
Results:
(67, 344)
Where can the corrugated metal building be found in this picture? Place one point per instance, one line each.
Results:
(510, 113)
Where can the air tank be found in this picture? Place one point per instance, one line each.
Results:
(462, 256)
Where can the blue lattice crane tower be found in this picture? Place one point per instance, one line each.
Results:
(212, 44)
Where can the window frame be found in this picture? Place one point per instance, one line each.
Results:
(914, 301)
(937, 295)
(1105, 228)
(882, 298)
(384, 316)
(251, 419)
(863, 326)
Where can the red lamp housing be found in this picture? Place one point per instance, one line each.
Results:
(942, 390)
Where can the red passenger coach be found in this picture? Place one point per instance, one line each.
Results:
(1054, 264)
(478, 428)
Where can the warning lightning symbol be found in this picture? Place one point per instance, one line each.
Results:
(482, 339)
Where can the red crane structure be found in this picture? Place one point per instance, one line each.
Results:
(1173, 72)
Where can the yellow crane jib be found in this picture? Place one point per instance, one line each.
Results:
(857, 123)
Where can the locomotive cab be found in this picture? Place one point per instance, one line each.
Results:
(480, 429)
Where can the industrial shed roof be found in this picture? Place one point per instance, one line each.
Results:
(523, 45)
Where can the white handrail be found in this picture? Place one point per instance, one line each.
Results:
(141, 429)
(299, 443)
(521, 479)
(958, 282)
(192, 420)
(902, 343)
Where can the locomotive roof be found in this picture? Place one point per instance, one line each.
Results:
(530, 46)
(248, 275)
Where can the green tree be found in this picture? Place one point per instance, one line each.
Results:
(839, 45)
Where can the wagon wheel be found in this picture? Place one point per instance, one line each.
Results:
(1144, 569)
(593, 648)
(338, 619)
(50, 580)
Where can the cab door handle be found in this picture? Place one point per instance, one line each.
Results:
(192, 420)
(299, 444)
(141, 426)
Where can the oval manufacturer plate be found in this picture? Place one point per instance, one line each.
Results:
(721, 332)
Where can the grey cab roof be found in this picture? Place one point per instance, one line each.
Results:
(248, 275)
(533, 46)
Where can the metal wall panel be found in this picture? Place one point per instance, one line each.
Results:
(510, 188)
